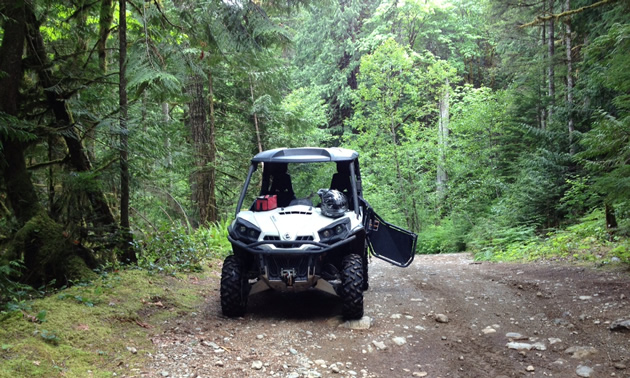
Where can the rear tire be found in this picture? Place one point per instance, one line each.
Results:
(352, 287)
(234, 288)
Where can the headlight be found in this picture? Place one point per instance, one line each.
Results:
(335, 232)
(246, 231)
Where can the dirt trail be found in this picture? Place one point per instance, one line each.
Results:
(444, 316)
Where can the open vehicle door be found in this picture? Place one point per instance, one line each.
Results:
(388, 242)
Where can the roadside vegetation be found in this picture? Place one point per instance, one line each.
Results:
(103, 326)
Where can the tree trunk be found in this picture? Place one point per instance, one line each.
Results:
(442, 176)
(78, 156)
(541, 104)
(568, 42)
(611, 220)
(20, 190)
(550, 64)
(201, 141)
(256, 126)
(129, 254)
(401, 179)
(39, 242)
(105, 23)
(213, 215)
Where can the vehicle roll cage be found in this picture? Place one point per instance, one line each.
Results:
(308, 155)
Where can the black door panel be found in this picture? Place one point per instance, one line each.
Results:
(388, 242)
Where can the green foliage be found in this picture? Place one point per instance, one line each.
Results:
(79, 299)
(395, 106)
(368, 74)
(13, 294)
(41, 316)
(587, 240)
(447, 237)
(172, 248)
(579, 197)
(13, 128)
(622, 251)
(76, 340)
(49, 337)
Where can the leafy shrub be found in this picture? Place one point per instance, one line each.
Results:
(622, 251)
(172, 248)
(587, 240)
(13, 294)
(444, 238)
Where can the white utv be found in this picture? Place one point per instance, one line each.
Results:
(308, 226)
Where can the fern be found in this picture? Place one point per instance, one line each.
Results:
(146, 76)
(14, 129)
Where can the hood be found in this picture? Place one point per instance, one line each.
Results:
(288, 223)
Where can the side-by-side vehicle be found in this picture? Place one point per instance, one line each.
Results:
(307, 225)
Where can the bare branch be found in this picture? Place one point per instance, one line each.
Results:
(541, 19)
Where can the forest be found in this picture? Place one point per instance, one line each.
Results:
(500, 127)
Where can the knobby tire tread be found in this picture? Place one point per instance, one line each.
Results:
(352, 287)
(233, 298)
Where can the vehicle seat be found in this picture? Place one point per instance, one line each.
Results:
(341, 182)
(282, 187)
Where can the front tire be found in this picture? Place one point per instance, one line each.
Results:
(352, 287)
(366, 284)
(234, 288)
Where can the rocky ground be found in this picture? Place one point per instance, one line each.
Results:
(444, 316)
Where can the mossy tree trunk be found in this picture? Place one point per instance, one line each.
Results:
(78, 157)
(47, 252)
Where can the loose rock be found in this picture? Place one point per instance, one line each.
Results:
(399, 341)
(363, 323)
(379, 345)
(515, 336)
(620, 325)
(580, 352)
(584, 371)
(441, 318)
(488, 330)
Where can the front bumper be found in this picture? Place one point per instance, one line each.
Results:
(290, 269)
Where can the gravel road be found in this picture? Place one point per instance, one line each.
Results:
(444, 316)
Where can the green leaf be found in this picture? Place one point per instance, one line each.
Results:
(41, 316)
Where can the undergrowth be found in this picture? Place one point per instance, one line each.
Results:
(173, 248)
(587, 240)
(168, 249)
(101, 328)
(96, 329)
